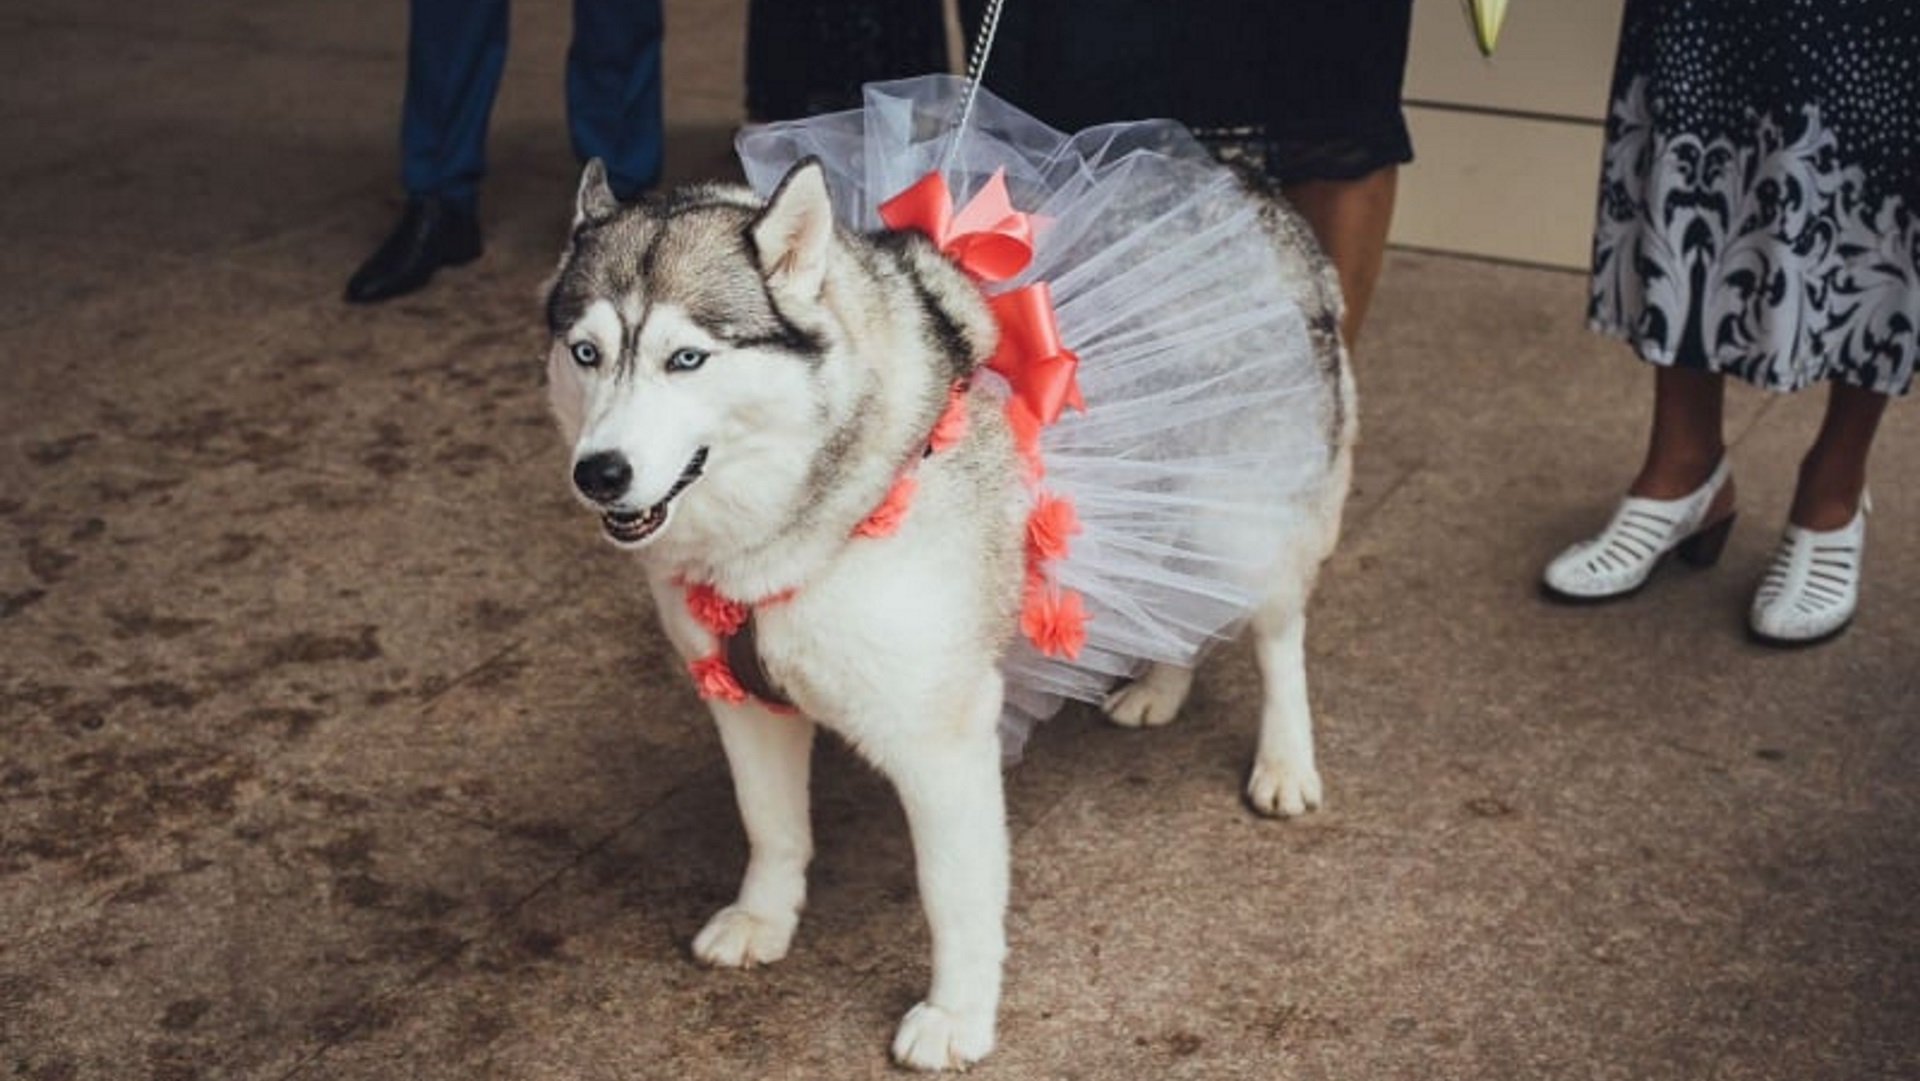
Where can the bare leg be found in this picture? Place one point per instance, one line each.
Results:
(1687, 440)
(1351, 218)
(1834, 472)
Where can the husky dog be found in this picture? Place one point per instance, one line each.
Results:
(742, 383)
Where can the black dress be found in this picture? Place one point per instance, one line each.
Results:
(1309, 91)
(806, 57)
(1760, 189)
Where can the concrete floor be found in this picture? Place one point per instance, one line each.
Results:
(335, 744)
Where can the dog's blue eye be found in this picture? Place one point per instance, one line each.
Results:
(586, 354)
(685, 360)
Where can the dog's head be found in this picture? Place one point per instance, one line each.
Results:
(716, 362)
(683, 346)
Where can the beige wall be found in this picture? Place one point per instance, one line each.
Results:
(1507, 149)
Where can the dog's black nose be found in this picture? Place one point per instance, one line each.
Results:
(603, 477)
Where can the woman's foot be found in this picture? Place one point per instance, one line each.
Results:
(1643, 530)
(1812, 588)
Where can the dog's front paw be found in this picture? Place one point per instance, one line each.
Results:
(932, 1038)
(1151, 700)
(1282, 790)
(736, 938)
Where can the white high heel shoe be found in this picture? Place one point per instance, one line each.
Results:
(1812, 587)
(1619, 560)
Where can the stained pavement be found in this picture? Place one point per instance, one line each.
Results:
(334, 744)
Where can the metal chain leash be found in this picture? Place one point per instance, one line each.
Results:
(976, 68)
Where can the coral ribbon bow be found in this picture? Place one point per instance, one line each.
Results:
(992, 242)
(1036, 364)
(988, 238)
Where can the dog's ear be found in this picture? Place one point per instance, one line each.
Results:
(594, 203)
(794, 233)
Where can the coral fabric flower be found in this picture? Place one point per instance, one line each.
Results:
(1049, 525)
(886, 517)
(714, 679)
(951, 428)
(1055, 621)
(716, 613)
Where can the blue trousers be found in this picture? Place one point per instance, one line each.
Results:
(456, 50)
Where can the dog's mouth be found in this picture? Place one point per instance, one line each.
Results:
(630, 527)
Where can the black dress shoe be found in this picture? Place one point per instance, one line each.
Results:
(432, 233)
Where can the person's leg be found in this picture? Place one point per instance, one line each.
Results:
(1350, 218)
(1681, 500)
(614, 109)
(1687, 439)
(1812, 588)
(1834, 472)
(456, 50)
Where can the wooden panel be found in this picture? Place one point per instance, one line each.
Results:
(1555, 57)
(1500, 187)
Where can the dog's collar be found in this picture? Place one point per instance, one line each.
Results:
(1053, 618)
(734, 671)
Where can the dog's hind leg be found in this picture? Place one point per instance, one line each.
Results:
(948, 777)
(1284, 781)
(770, 758)
(1151, 698)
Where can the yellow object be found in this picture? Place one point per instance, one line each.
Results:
(1486, 17)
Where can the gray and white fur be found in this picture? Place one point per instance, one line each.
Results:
(741, 383)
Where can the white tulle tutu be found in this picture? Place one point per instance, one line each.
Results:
(1204, 414)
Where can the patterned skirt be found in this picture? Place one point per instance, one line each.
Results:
(1759, 210)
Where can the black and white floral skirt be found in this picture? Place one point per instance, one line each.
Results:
(1759, 210)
